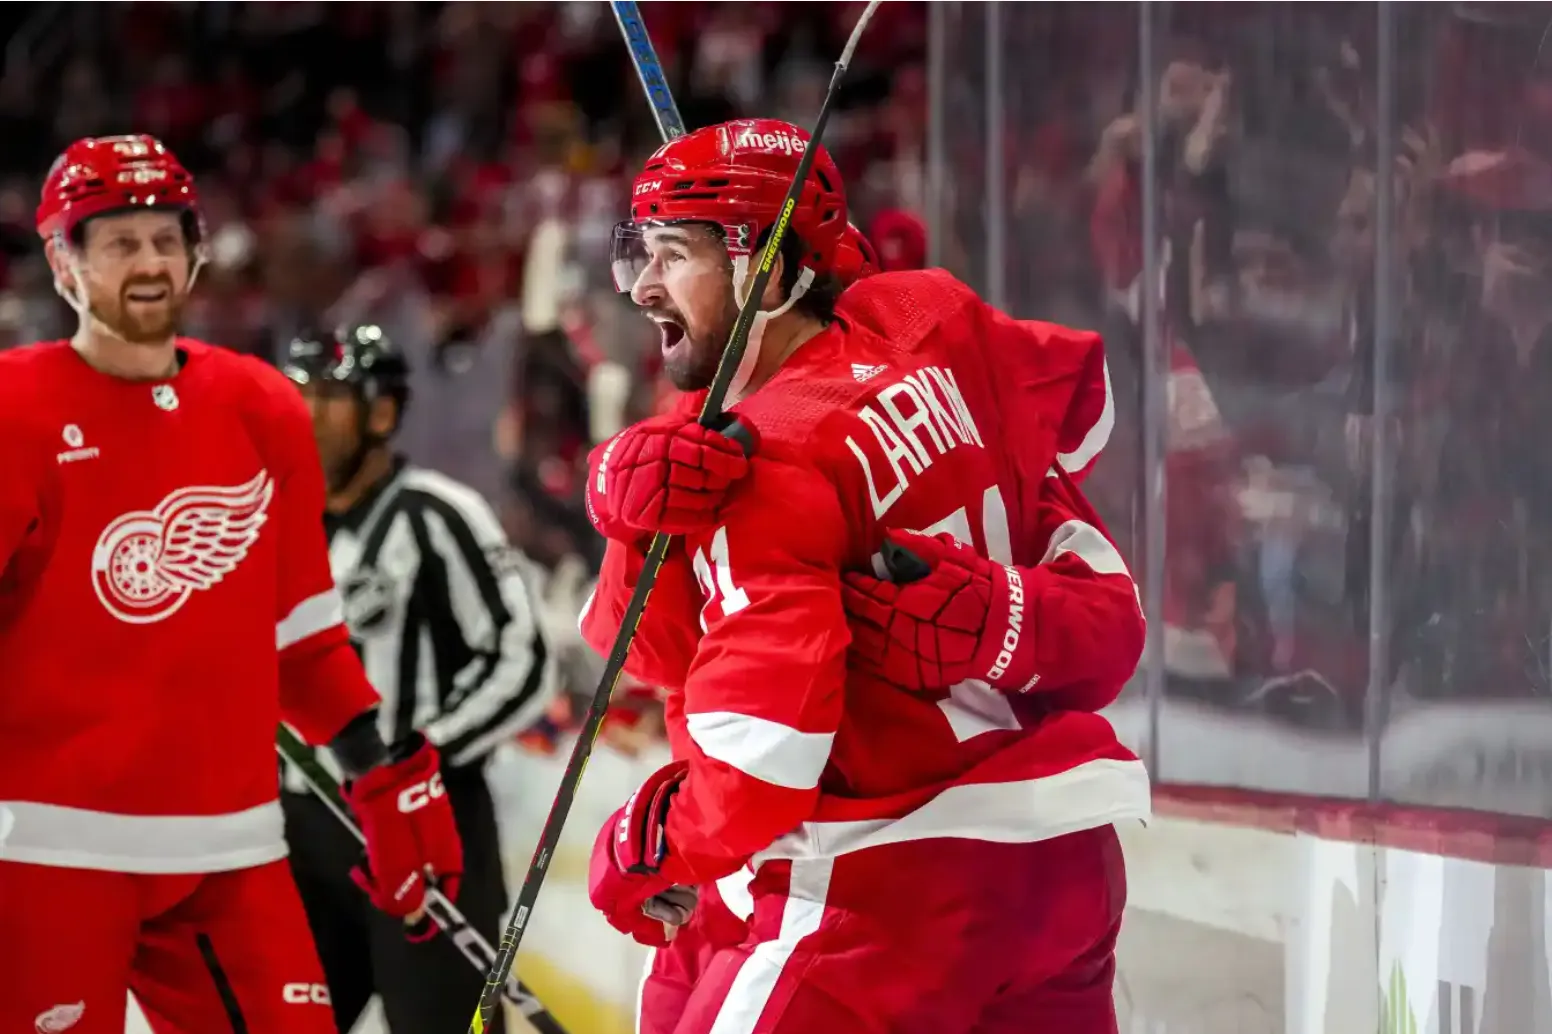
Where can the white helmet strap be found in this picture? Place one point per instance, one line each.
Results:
(751, 354)
(75, 295)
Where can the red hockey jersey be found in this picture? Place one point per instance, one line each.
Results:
(923, 408)
(158, 542)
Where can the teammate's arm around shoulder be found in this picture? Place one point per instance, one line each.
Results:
(1070, 628)
(764, 696)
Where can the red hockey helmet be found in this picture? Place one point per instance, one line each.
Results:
(102, 175)
(734, 176)
(855, 258)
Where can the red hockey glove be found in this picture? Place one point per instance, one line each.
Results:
(666, 474)
(409, 830)
(623, 878)
(964, 617)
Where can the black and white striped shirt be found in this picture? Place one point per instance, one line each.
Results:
(443, 613)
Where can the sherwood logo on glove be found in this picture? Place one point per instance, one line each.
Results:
(416, 796)
(1010, 638)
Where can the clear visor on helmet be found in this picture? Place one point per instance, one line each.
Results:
(628, 257)
(635, 244)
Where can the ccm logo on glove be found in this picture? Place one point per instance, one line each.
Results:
(410, 834)
(414, 798)
(305, 994)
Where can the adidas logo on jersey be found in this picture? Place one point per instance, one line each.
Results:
(865, 373)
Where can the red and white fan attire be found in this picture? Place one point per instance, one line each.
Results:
(940, 860)
(166, 601)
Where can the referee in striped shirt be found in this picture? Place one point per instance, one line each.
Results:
(441, 610)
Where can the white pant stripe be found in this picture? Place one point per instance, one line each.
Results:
(755, 982)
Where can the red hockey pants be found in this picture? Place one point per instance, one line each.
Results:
(204, 954)
(921, 937)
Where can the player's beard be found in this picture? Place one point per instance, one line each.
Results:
(691, 365)
(141, 323)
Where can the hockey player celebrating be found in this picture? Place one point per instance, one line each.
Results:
(917, 810)
(165, 599)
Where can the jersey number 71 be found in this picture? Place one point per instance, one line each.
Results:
(971, 707)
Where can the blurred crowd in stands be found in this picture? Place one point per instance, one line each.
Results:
(1358, 486)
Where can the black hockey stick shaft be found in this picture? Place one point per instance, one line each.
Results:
(582, 749)
(469, 941)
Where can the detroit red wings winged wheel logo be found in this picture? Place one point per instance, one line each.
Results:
(147, 563)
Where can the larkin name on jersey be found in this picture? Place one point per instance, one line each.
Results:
(967, 422)
(915, 420)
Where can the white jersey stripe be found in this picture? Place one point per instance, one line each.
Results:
(761, 748)
(313, 615)
(1097, 793)
(75, 838)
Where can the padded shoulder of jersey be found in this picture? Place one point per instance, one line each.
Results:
(26, 393)
(22, 366)
(904, 308)
(887, 327)
(261, 385)
(265, 400)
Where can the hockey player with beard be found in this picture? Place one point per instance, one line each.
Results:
(165, 600)
(891, 806)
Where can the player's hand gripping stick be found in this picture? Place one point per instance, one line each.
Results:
(711, 415)
(438, 909)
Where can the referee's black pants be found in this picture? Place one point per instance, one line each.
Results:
(424, 987)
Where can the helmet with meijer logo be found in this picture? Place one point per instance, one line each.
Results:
(735, 177)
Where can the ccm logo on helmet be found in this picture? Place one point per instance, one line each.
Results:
(305, 994)
(416, 796)
(786, 143)
(141, 175)
(1010, 637)
(648, 187)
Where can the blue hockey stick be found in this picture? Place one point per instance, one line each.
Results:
(649, 69)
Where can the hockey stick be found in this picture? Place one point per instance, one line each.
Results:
(648, 69)
(711, 413)
(443, 912)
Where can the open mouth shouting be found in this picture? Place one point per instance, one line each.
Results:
(672, 331)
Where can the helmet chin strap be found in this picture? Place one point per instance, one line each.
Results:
(75, 296)
(751, 356)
